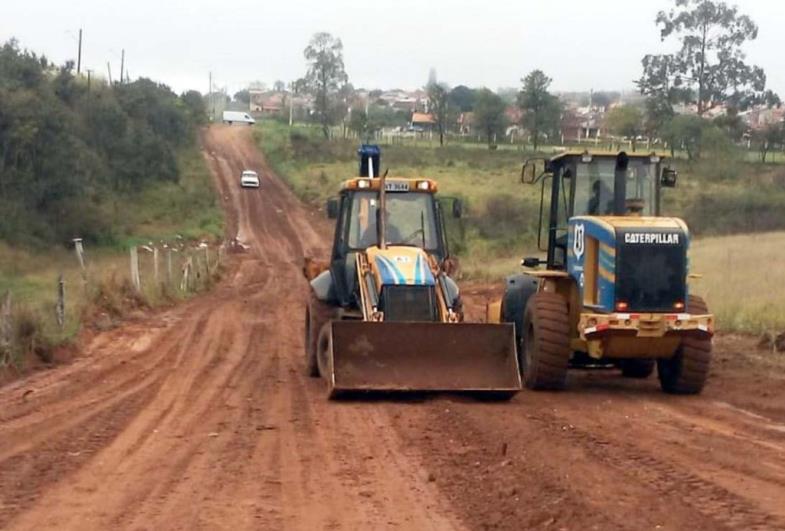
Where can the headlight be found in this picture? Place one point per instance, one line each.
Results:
(363, 183)
(423, 185)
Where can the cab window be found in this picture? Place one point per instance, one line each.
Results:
(595, 183)
(410, 220)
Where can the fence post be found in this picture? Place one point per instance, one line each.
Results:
(79, 248)
(168, 265)
(186, 275)
(137, 282)
(5, 329)
(60, 307)
(155, 267)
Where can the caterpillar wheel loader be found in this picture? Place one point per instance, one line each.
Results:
(383, 314)
(614, 289)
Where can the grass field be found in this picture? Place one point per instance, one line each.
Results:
(743, 280)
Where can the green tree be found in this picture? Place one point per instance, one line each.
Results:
(489, 114)
(380, 116)
(709, 69)
(732, 124)
(769, 138)
(462, 98)
(625, 120)
(541, 109)
(358, 122)
(686, 131)
(659, 112)
(603, 99)
(439, 106)
(243, 96)
(325, 76)
(195, 103)
(65, 155)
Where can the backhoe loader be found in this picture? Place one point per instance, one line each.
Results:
(383, 314)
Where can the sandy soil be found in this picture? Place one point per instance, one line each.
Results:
(201, 417)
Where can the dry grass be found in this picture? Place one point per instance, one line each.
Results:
(743, 280)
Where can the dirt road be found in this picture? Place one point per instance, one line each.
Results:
(201, 417)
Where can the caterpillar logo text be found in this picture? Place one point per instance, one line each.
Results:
(647, 237)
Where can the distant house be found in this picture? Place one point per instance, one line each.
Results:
(268, 102)
(422, 121)
(761, 117)
(405, 104)
(577, 126)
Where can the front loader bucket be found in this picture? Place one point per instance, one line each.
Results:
(417, 356)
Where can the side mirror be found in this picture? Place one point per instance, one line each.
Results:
(669, 178)
(332, 208)
(533, 169)
(457, 209)
(528, 172)
(531, 262)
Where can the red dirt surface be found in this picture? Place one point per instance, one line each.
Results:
(201, 417)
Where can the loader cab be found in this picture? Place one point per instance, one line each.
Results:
(414, 218)
(599, 184)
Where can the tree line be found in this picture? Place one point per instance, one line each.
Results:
(71, 148)
(708, 70)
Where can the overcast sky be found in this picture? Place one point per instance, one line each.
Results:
(580, 44)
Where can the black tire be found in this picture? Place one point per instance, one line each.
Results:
(637, 368)
(545, 343)
(323, 348)
(316, 314)
(686, 372)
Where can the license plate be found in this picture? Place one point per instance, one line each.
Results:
(396, 186)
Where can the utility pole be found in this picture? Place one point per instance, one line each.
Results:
(212, 97)
(291, 103)
(109, 70)
(79, 55)
(122, 66)
(89, 73)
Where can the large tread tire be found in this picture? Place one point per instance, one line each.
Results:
(316, 314)
(324, 346)
(637, 368)
(687, 371)
(545, 342)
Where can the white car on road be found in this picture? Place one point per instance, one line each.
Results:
(249, 179)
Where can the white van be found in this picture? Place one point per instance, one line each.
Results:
(239, 117)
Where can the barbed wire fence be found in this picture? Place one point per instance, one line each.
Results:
(154, 272)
